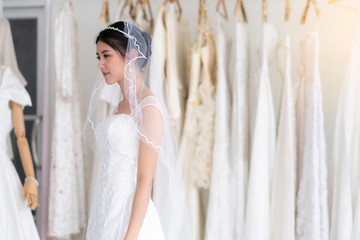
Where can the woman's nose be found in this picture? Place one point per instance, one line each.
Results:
(100, 64)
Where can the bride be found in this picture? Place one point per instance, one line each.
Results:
(138, 192)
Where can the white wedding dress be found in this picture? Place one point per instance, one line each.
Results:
(16, 220)
(257, 219)
(118, 144)
(344, 214)
(219, 206)
(312, 222)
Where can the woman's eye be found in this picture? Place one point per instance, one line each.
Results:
(106, 56)
(98, 58)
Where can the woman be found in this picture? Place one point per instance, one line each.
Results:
(138, 157)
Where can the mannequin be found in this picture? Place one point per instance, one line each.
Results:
(16, 218)
(30, 186)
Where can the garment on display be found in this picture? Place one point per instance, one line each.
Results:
(240, 132)
(282, 211)
(16, 220)
(257, 216)
(67, 208)
(219, 206)
(312, 219)
(345, 210)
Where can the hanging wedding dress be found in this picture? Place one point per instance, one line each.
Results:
(7, 51)
(123, 12)
(178, 41)
(257, 221)
(159, 47)
(311, 204)
(239, 129)
(347, 152)
(188, 145)
(16, 220)
(67, 196)
(219, 190)
(141, 22)
(282, 212)
(202, 162)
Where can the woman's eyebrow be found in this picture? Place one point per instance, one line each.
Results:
(103, 52)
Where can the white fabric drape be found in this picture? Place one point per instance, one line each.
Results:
(240, 134)
(178, 42)
(282, 217)
(257, 218)
(219, 206)
(66, 196)
(188, 146)
(347, 152)
(311, 204)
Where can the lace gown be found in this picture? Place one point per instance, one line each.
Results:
(311, 200)
(16, 220)
(67, 191)
(118, 143)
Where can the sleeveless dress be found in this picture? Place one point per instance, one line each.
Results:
(257, 217)
(118, 143)
(312, 220)
(16, 220)
(219, 206)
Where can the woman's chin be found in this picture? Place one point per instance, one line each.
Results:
(109, 82)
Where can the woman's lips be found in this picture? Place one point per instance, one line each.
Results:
(105, 74)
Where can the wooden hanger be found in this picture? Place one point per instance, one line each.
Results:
(317, 10)
(264, 10)
(104, 15)
(218, 9)
(143, 5)
(240, 6)
(287, 10)
(335, 3)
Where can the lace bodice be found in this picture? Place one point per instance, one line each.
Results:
(118, 143)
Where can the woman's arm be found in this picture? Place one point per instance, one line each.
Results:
(147, 159)
(146, 168)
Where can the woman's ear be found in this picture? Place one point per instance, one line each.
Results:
(133, 53)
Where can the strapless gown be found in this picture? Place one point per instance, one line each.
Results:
(118, 143)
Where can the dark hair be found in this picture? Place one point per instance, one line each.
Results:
(119, 42)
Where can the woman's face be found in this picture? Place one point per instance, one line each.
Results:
(111, 63)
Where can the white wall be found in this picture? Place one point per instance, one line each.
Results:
(335, 26)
